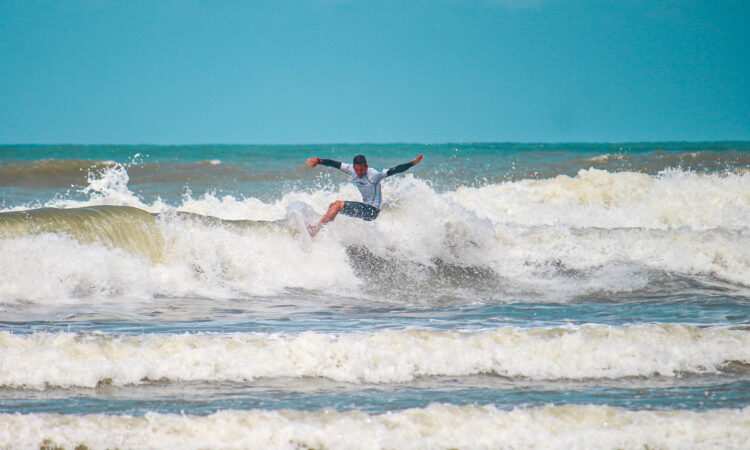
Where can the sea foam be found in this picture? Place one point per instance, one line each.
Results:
(39, 360)
(436, 426)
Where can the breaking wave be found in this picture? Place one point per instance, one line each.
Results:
(40, 360)
(546, 239)
(436, 426)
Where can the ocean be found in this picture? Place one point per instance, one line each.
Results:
(508, 296)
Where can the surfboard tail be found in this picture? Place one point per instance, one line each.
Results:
(303, 227)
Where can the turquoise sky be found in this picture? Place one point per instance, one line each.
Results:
(316, 71)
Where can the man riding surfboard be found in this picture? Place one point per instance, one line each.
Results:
(367, 181)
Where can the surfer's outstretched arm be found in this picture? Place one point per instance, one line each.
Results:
(405, 166)
(312, 162)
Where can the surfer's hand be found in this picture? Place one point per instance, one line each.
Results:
(312, 162)
(417, 159)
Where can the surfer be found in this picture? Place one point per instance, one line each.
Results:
(367, 181)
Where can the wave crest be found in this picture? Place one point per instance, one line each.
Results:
(436, 426)
(596, 351)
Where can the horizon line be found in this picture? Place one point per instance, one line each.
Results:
(583, 142)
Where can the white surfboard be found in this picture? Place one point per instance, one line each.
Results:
(299, 221)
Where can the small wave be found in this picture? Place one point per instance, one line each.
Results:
(436, 426)
(597, 198)
(658, 158)
(123, 227)
(606, 157)
(53, 254)
(596, 351)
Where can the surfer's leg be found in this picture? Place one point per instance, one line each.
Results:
(360, 211)
(331, 214)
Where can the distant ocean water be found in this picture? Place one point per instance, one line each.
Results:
(508, 295)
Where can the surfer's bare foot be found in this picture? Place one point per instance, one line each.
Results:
(313, 229)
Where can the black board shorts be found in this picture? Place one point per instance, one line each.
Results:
(360, 210)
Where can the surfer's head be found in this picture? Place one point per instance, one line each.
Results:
(360, 165)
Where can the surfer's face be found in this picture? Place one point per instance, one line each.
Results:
(360, 170)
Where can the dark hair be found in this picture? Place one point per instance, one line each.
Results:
(360, 159)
